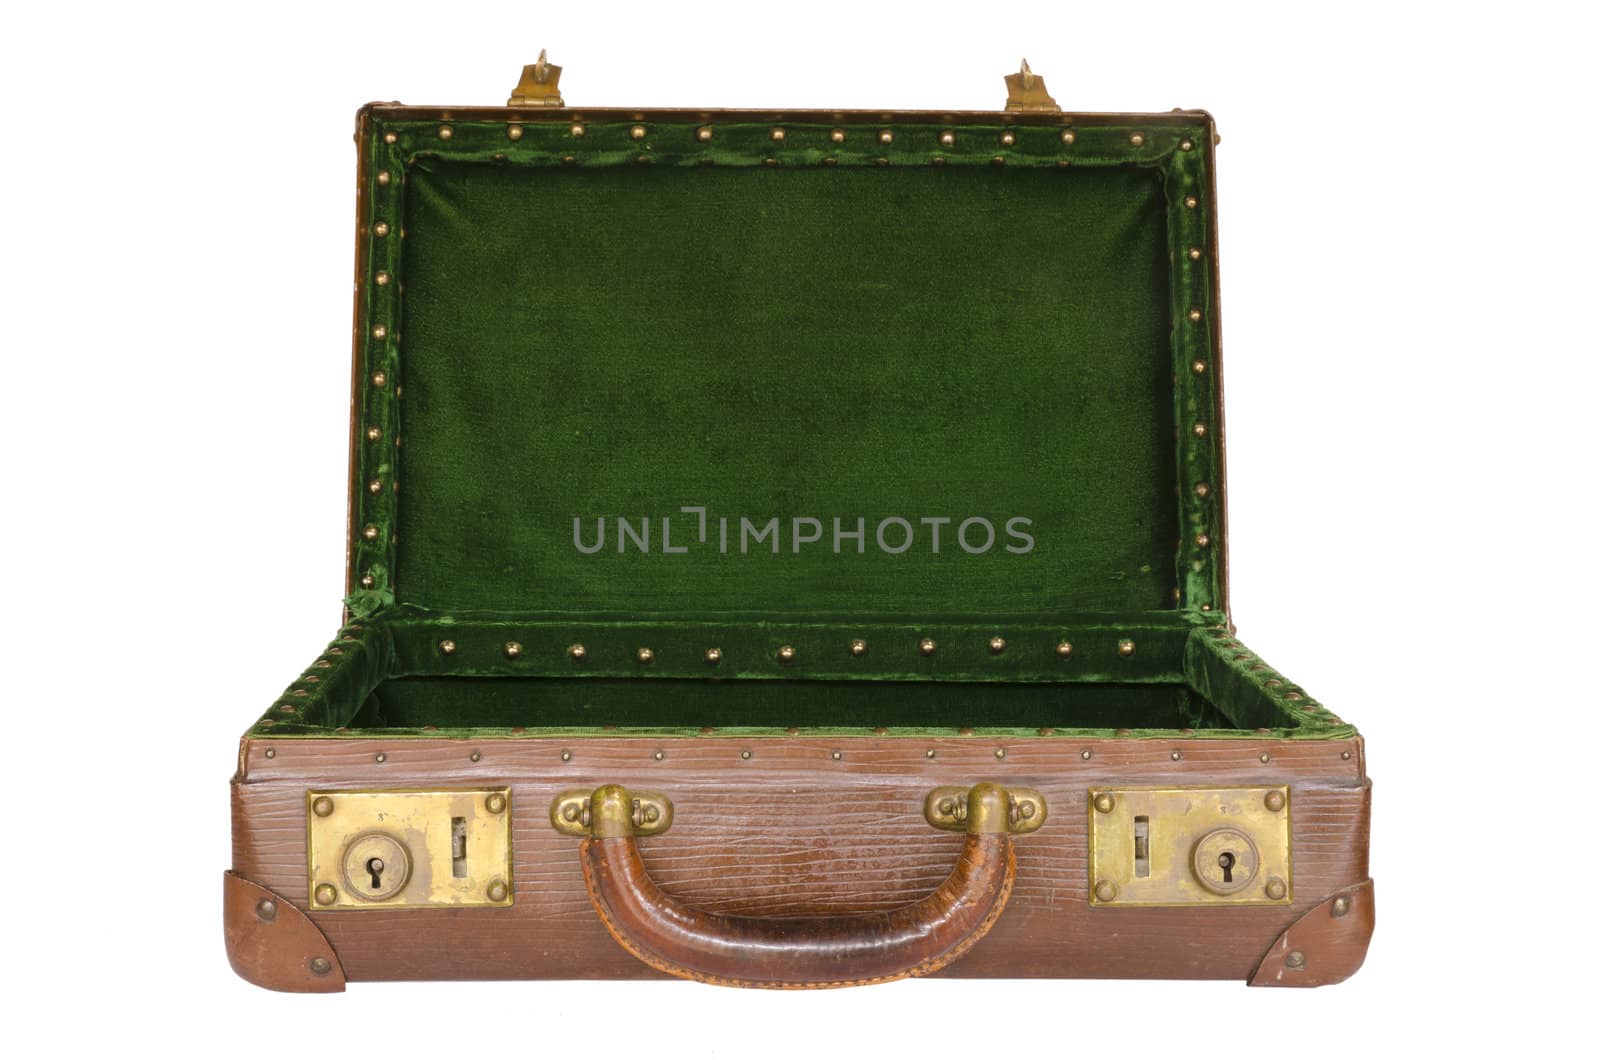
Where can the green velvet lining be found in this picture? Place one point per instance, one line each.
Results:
(844, 337)
(1018, 324)
(393, 678)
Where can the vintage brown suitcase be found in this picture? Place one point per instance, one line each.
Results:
(787, 550)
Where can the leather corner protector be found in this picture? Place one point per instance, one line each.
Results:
(1326, 945)
(272, 944)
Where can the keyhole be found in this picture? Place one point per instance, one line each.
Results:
(1224, 862)
(375, 868)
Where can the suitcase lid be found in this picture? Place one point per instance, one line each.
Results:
(797, 366)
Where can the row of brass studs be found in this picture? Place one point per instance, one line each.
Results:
(778, 134)
(787, 653)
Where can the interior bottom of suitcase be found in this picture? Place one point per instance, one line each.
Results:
(405, 674)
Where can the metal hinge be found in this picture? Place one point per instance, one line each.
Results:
(1025, 91)
(539, 86)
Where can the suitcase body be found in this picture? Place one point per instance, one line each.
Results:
(788, 550)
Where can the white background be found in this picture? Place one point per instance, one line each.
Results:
(1408, 198)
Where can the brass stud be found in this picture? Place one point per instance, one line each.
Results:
(368, 581)
(1293, 696)
(1202, 540)
(447, 647)
(999, 752)
(644, 160)
(270, 753)
(778, 135)
(445, 132)
(644, 656)
(381, 228)
(512, 650)
(1341, 906)
(927, 646)
(703, 133)
(1345, 755)
(379, 331)
(326, 894)
(380, 758)
(997, 645)
(744, 755)
(1186, 145)
(786, 654)
(880, 161)
(370, 533)
(390, 138)
(267, 910)
(379, 379)
(322, 806)
(497, 891)
(637, 132)
(930, 752)
(381, 279)
(1199, 367)
(858, 647)
(713, 656)
(1086, 754)
(659, 755)
(885, 137)
(830, 161)
(321, 966)
(837, 755)
(1125, 647)
(1195, 253)
(1068, 136)
(384, 178)
(1199, 430)
(1276, 889)
(578, 130)
(1265, 758)
(1104, 802)
(374, 433)
(577, 653)
(1137, 139)
(1194, 316)
(495, 802)
(1202, 489)
(1047, 731)
(514, 132)
(1064, 649)
(475, 756)
(837, 136)
(1008, 138)
(1190, 202)
(1105, 891)
(948, 139)
(1274, 799)
(566, 756)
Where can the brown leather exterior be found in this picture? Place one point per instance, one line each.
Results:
(1326, 945)
(273, 944)
(823, 837)
(800, 952)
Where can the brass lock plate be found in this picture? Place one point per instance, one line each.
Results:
(409, 849)
(1189, 846)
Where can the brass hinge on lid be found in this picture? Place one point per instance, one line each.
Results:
(539, 86)
(1025, 91)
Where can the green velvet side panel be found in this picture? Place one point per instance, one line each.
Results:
(600, 327)
(327, 695)
(858, 706)
(1254, 695)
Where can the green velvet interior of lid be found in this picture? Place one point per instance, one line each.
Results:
(805, 338)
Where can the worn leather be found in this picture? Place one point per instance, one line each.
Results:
(1324, 946)
(273, 944)
(800, 952)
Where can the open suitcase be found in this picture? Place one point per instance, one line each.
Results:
(788, 550)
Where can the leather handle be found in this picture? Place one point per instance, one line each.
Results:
(801, 952)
